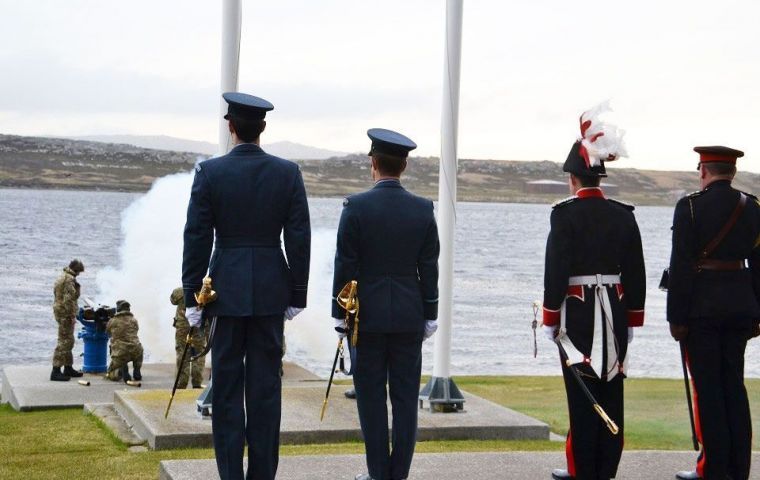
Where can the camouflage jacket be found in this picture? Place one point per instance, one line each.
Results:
(66, 293)
(122, 329)
(178, 298)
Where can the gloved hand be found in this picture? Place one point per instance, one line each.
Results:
(679, 332)
(340, 327)
(194, 317)
(431, 326)
(291, 312)
(550, 331)
(630, 335)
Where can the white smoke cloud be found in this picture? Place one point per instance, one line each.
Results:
(150, 267)
(151, 262)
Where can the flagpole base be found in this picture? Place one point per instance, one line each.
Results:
(442, 395)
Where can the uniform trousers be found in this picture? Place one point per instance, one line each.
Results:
(395, 359)
(246, 355)
(593, 452)
(715, 349)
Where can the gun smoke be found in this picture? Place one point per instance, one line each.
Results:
(150, 267)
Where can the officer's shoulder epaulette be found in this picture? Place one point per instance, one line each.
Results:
(198, 167)
(566, 201)
(696, 194)
(753, 197)
(627, 206)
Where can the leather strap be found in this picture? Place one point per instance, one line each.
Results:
(721, 265)
(710, 247)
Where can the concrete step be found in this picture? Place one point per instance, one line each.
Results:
(635, 465)
(301, 405)
(108, 415)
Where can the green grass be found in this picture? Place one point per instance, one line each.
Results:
(64, 444)
(656, 416)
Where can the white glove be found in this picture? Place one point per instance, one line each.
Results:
(194, 317)
(550, 331)
(291, 312)
(431, 326)
(630, 335)
(340, 328)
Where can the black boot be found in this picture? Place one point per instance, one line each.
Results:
(68, 370)
(687, 475)
(136, 373)
(560, 474)
(350, 393)
(125, 374)
(57, 376)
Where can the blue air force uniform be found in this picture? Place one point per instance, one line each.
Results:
(388, 241)
(241, 203)
(717, 297)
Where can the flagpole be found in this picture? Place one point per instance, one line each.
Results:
(441, 392)
(232, 14)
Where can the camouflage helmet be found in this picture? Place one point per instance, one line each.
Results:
(76, 265)
(122, 306)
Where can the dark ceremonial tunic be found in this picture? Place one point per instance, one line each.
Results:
(591, 235)
(244, 201)
(720, 308)
(388, 241)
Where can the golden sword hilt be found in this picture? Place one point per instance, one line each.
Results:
(206, 295)
(349, 301)
(611, 425)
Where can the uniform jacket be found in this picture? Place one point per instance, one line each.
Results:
(693, 294)
(122, 328)
(388, 242)
(241, 203)
(591, 235)
(66, 293)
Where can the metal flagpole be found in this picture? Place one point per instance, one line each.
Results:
(441, 392)
(232, 14)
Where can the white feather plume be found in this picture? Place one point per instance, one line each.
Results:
(602, 141)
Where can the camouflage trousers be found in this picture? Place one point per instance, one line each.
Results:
(190, 370)
(121, 358)
(62, 355)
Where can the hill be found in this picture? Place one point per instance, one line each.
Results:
(33, 162)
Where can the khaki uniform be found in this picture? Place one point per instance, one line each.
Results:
(125, 346)
(66, 292)
(197, 344)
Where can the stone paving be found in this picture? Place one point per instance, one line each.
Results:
(635, 465)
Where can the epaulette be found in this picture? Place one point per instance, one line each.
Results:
(696, 194)
(345, 202)
(622, 204)
(198, 167)
(564, 202)
(753, 197)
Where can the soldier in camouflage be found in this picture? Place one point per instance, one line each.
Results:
(66, 292)
(125, 346)
(197, 343)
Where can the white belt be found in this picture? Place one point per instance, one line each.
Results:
(594, 280)
(602, 321)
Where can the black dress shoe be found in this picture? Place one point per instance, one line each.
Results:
(687, 475)
(70, 372)
(350, 393)
(561, 474)
(136, 373)
(363, 476)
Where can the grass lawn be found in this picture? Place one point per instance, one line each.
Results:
(65, 444)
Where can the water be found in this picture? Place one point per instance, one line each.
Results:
(498, 274)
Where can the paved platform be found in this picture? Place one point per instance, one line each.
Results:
(635, 465)
(482, 419)
(30, 388)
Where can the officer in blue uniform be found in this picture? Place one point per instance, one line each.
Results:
(388, 242)
(240, 204)
(714, 308)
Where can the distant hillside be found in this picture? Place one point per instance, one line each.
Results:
(289, 150)
(33, 162)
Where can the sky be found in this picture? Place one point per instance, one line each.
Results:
(677, 73)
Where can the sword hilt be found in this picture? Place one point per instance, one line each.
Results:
(611, 425)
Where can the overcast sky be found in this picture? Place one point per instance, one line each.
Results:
(678, 73)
